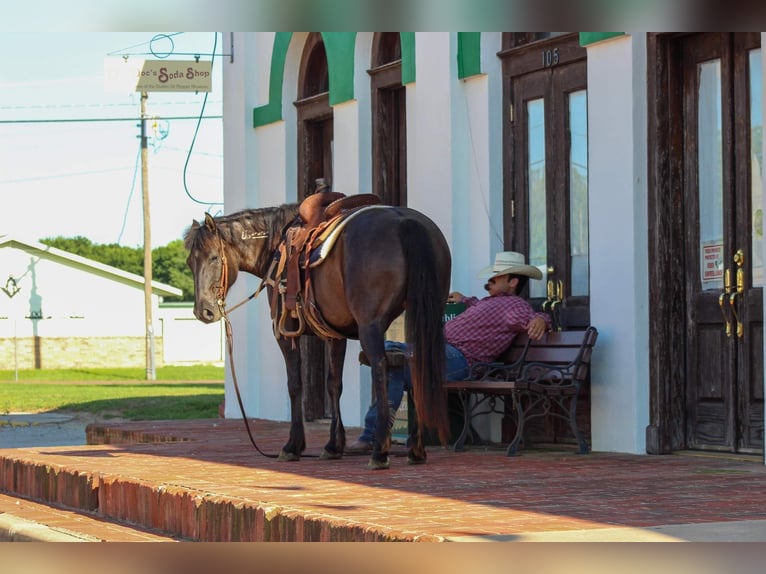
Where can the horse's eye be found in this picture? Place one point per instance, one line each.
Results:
(213, 258)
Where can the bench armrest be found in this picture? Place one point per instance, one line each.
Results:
(547, 374)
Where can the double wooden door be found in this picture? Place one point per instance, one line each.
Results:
(546, 184)
(546, 197)
(722, 161)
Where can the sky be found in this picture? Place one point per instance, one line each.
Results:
(70, 150)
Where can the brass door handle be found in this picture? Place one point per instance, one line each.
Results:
(549, 301)
(739, 260)
(559, 298)
(722, 304)
(733, 305)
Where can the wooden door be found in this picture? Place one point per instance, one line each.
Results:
(546, 197)
(546, 182)
(722, 159)
(389, 120)
(315, 161)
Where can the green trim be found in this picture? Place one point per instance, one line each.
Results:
(588, 38)
(339, 47)
(468, 54)
(408, 57)
(272, 112)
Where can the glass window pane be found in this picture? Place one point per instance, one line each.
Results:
(578, 191)
(538, 247)
(756, 165)
(710, 174)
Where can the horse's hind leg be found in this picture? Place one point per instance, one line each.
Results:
(296, 443)
(337, 351)
(379, 459)
(371, 338)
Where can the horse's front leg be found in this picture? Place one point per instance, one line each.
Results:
(336, 444)
(296, 443)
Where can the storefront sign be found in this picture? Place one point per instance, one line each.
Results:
(138, 75)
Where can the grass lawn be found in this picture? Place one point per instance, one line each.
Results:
(174, 373)
(178, 392)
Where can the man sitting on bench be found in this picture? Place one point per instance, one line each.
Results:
(480, 333)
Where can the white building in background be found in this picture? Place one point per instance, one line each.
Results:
(613, 161)
(60, 310)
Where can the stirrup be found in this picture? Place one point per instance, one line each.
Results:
(281, 328)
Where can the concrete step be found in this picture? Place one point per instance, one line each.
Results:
(23, 520)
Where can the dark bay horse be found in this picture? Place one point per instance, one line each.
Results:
(385, 260)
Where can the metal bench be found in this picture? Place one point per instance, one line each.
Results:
(536, 377)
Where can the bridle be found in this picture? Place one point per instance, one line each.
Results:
(223, 281)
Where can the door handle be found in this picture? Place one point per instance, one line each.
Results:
(559, 298)
(733, 305)
(739, 260)
(723, 297)
(549, 301)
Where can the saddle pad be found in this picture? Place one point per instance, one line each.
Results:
(327, 239)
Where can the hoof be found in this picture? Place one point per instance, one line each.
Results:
(288, 457)
(373, 464)
(413, 460)
(327, 455)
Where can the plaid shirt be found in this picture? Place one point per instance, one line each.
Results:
(488, 325)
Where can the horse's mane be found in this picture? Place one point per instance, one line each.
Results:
(269, 220)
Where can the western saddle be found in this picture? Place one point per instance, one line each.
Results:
(319, 215)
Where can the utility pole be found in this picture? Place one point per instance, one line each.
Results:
(150, 370)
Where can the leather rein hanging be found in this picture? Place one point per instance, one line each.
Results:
(221, 289)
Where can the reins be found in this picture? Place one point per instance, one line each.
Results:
(223, 285)
(221, 289)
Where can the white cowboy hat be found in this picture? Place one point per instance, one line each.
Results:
(509, 262)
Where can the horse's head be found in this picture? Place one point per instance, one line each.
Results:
(211, 260)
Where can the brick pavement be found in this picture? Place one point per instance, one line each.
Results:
(202, 480)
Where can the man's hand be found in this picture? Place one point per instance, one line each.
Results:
(536, 328)
(455, 297)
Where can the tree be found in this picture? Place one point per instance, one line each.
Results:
(169, 266)
(168, 262)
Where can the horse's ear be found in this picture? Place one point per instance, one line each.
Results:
(209, 222)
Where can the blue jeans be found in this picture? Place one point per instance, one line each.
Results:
(456, 369)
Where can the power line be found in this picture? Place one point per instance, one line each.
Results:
(92, 120)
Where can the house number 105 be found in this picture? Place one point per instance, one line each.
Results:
(550, 57)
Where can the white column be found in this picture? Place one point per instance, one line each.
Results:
(429, 135)
(477, 174)
(618, 243)
(254, 176)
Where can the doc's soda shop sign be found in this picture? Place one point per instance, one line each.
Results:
(157, 75)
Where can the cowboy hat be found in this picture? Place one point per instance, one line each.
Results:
(509, 263)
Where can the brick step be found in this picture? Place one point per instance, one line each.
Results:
(166, 511)
(23, 520)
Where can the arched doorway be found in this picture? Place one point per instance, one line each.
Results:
(315, 159)
(389, 120)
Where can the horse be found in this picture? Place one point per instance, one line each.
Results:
(384, 260)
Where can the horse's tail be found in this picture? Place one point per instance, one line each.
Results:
(424, 316)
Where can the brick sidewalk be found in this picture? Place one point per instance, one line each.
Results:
(202, 480)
